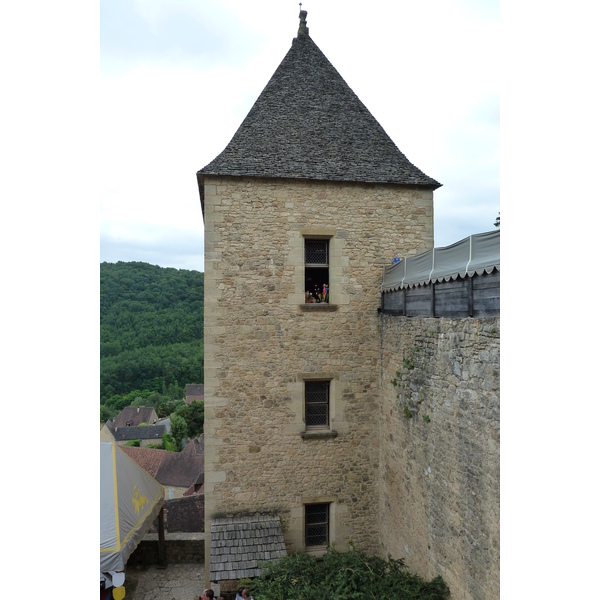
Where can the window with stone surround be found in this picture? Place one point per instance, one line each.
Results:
(316, 270)
(316, 525)
(316, 404)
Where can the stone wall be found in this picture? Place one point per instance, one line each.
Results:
(261, 342)
(185, 514)
(179, 548)
(439, 450)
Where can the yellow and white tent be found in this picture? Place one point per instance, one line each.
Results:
(130, 501)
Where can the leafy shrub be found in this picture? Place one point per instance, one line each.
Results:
(343, 576)
(194, 416)
(169, 443)
(179, 429)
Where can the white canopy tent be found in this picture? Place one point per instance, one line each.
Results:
(130, 501)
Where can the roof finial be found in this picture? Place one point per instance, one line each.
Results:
(303, 30)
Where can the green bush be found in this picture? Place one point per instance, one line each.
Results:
(169, 443)
(179, 429)
(194, 416)
(343, 576)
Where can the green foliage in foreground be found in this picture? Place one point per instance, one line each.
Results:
(343, 576)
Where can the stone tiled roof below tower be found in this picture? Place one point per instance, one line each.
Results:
(240, 544)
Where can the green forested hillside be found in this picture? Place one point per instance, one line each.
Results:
(151, 334)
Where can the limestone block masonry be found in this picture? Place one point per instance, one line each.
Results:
(439, 472)
(261, 342)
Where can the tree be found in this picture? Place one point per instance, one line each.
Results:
(168, 406)
(497, 222)
(139, 401)
(168, 443)
(179, 429)
(151, 331)
(105, 413)
(194, 417)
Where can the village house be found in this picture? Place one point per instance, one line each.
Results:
(150, 435)
(135, 423)
(133, 416)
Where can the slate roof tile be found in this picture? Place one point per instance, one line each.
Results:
(242, 543)
(194, 389)
(194, 392)
(308, 124)
(150, 432)
(135, 415)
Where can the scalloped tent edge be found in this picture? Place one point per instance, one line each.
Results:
(477, 254)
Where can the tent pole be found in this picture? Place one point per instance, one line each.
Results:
(162, 559)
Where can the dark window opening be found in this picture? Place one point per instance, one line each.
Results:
(316, 402)
(316, 271)
(316, 529)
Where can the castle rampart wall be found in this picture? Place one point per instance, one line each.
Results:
(439, 450)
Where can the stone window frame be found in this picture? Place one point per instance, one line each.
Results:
(334, 405)
(339, 531)
(334, 265)
(316, 266)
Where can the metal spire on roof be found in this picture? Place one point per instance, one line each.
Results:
(303, 30)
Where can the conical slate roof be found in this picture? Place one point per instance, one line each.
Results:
(308, 124)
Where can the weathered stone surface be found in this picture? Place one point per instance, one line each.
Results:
(440, 467)
(259, 345)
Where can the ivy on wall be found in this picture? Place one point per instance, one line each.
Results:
(409, 383)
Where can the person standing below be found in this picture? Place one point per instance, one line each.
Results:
(208, 595)
(246, 595)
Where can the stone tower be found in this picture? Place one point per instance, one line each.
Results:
(301, 210)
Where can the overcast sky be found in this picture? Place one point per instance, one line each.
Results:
(179, 76)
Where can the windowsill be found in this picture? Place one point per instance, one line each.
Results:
(318, 434)
(319, 306)
(316, 551)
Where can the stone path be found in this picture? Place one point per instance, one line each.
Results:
(176, 582)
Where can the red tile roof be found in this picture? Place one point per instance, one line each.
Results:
(149, 459)
(179, 469)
